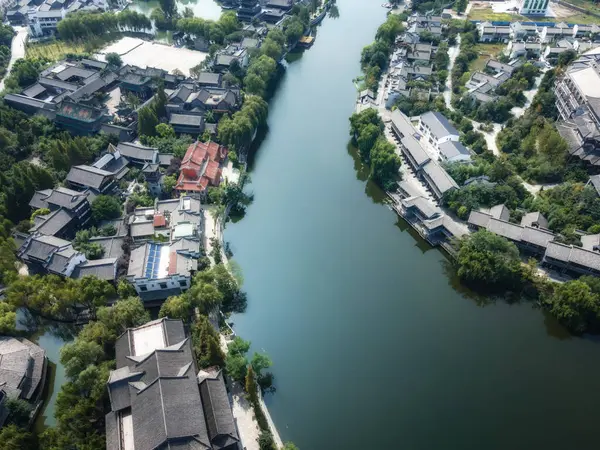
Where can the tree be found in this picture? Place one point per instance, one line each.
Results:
(206, 342)
(8, 319)
(78, 355)
(14, 438)
(489, 261)
(147, 121)
(265, 441)
(114, 59)
(125, 313)
(177, 307)
(250, 386)
(93, 292)
(385, 164)
(254, 84)
(290, 446)
(575, 306)
(105, 207)
(366, 140)
(460, 6)
(160, 105)
(168, 183)
(19, 411)
(204, 296)
(169, 8)
(125, 289)
(236, 366)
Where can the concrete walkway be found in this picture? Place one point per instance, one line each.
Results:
(243, 414)
(452, 54)
(17, 50)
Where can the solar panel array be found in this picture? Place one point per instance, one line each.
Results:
(153, 261)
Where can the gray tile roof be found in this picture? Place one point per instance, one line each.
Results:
(54, 83)
(590, 242)
(38, 200)
(164, 159)
(534, 219)
(454, 151)
(54, 223)
(438, 124)
(34, 90)
(506, 229)
(23, 100)
(439, 177)
(22, 366)
(141, 229)
(186, 120)
(595, 181)
(164, 397)
(413, 147)
(427, 210)
(217, 410)
(209, 78)
(499, 212)
(113, 246)
(42, 247)
(104, 269)
(88, 176)
(137, 151)
(66, 198)
(537, 236)
(558, 251)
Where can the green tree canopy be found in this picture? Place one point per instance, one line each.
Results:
(105, 207)
(489, 261)
(575, 305)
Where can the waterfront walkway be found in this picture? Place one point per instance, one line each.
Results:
(17, 50)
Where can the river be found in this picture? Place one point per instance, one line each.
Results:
(374, 345)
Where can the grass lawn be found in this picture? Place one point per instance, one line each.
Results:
(486, 51)
(483, 14)
(489, 15)
(56, 50)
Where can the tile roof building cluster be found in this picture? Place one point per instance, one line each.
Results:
(482, 85)
(158, 398)
(532, 237)
(201, 167)
(69, 211)
(22, 371)
(411, 60)
(436, 178)
(578, 103)
(158, 269)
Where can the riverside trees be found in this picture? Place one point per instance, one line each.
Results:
(366, 129)
(488, 261)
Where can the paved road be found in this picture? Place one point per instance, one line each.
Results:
(17, 50)
(452, 54)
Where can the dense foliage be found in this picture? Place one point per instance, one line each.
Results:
(366, 129)
(488, 261)
(375, 57)
(81, 402)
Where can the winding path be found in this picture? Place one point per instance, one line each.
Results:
(17, 50)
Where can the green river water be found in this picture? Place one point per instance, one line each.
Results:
(374, 343)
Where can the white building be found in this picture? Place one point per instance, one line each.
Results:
(436, 130)
(533, 7)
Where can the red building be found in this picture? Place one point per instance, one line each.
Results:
(201, 167)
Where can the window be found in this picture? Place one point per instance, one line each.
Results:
(163, 285)
(182, 283)
(143, 287)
